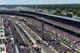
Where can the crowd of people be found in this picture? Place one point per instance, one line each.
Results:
(63, 25)
(62, 34)
(70, 37)
(25, 50)
(47, 38)
(10, 47)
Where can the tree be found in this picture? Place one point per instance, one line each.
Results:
(78, 14)
(69, 15)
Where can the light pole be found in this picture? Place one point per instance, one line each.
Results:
(42, 28)
(72, 48)
(12, 39)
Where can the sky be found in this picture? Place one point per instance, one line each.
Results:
(3, 2)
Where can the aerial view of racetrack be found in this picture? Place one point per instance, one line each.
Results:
(40, 26)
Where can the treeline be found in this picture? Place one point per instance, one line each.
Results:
(60, 9)
(74, 8)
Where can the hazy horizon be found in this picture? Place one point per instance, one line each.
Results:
(34, 2)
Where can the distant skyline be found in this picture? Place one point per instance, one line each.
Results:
(17, 2)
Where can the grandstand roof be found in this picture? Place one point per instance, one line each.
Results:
(62, 17)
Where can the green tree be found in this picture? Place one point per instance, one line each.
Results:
(78, 14)
(69, 15)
